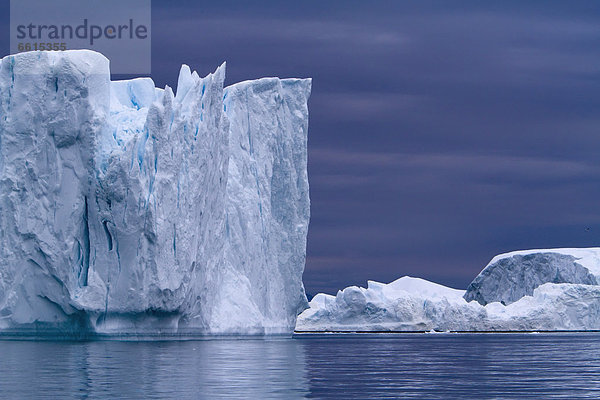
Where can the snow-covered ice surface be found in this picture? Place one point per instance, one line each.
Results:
(130, 210)
(545, 290)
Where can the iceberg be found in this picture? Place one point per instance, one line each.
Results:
(533, 290)
(509, 277)
(129, 210)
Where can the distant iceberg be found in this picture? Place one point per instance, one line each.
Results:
(130, 210)
(534, 290)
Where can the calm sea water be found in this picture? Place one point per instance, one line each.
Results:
(424, 366)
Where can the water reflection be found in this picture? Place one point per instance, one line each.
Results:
(455, 366)
(184, 370)
(387, 366)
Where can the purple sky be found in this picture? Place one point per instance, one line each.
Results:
(440, 135)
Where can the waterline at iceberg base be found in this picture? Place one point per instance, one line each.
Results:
(533, 290)
(130, 210)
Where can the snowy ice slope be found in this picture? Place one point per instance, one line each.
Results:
(120, 203)
(412, 304)
(552, 307)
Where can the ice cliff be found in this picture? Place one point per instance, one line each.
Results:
(534, 290)
(130, 210)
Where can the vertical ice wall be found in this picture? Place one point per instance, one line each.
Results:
(52, 110)
(126, 209)
(267, 203)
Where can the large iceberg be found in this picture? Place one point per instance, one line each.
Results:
(534, 290)
(130, 210)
